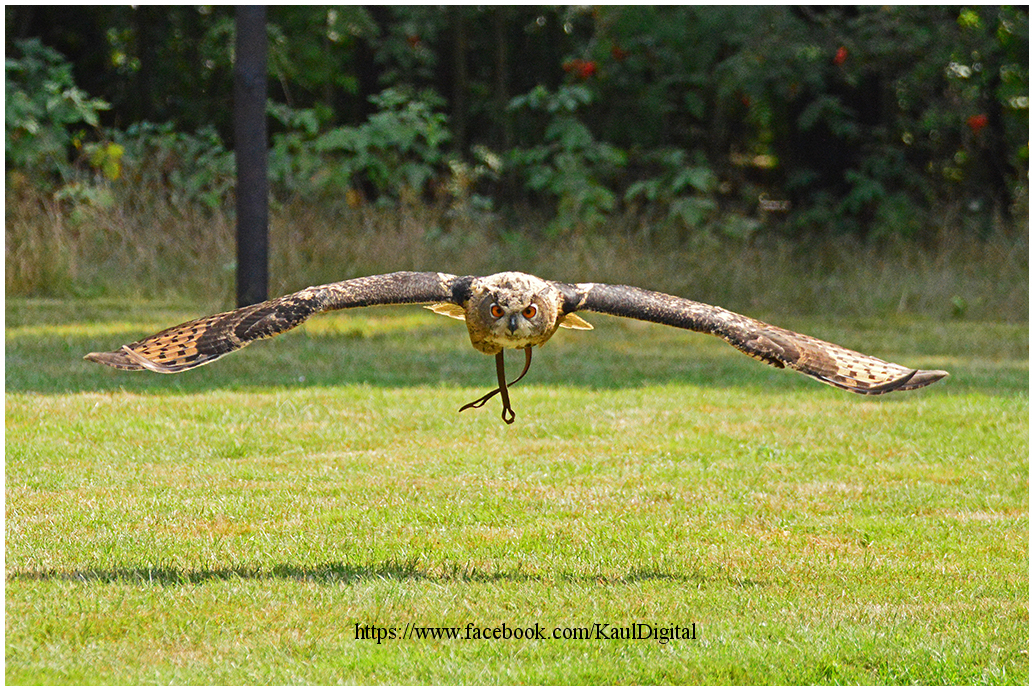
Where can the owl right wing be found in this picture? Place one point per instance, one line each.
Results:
(827, 362)
(205, 340)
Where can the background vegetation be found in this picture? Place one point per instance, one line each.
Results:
(881, 132)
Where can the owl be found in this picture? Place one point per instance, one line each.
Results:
(512, 310)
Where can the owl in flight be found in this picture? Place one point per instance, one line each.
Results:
(512, 310)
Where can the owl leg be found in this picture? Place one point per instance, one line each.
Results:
(500, 370)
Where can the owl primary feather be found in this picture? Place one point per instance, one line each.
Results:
(512, 310)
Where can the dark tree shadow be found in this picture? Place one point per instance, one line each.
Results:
(341, 572)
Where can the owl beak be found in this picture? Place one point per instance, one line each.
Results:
(513, 323)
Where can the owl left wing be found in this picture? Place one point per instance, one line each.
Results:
(204, 340)
(827, 362)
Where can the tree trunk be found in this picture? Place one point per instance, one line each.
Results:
(249, 124)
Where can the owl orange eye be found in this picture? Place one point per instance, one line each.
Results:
(496, 311)
(530, 311)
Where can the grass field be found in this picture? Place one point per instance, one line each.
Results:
(242, 522)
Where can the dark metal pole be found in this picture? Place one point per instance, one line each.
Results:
(249, 134)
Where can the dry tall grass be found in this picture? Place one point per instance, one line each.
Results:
(146, 246)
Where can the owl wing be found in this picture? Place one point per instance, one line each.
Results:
(827, 362)
(204, 340)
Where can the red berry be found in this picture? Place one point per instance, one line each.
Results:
(977, 122)
(583, 69)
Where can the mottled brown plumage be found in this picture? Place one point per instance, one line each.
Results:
(513, 310)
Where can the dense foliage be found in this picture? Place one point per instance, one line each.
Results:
(688, 119)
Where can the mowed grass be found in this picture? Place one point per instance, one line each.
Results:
(234, 524)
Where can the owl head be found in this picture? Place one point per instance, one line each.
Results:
(511, 310)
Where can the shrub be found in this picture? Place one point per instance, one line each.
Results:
(395, 154)
(570, 164)
(43, 109)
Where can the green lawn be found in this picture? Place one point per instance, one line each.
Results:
(235, 524)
